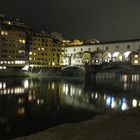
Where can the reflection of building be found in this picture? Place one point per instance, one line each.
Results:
(119, 51)
(13, 50)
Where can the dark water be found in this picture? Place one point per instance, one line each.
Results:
(28, 105)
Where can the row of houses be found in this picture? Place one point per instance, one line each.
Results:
(20, 46)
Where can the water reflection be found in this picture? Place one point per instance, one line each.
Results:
(43, 103)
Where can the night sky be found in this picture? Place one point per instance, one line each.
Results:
(107, 20)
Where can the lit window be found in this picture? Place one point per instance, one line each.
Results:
(136, 56)
(4, 33)
(9, 22)
(136, 61)
(5, 62)
(22, 41)
(30, 53)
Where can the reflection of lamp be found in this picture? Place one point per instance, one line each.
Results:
(134, 103)
(124, 106)
(26, 84)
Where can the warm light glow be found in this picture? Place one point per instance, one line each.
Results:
(21, 111)
(4, 33)
(22, 41)
(19, 62)
(20, 100)
(136, 55)
(136, 61)
(30, 53)
(0, 85)
(134, 103)
(26, 84)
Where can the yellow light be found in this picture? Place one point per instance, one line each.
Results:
(30, 98)
(136, 61)
(9, 22)
(23, 41)
(2, 32)
(30, 53)
(134, 103)
(21, 111)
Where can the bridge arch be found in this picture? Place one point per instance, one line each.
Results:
(106, 57)
(86, 57)
(117, 57)
(126, 56)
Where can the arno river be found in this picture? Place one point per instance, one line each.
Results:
(29, 105)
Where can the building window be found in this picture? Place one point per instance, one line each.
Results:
(97, 48)
(136, 55)
(74, 50)
(106, 48)
(117, 47)
(128, 47)
(81, 49)
(88, 49)
(136, 61)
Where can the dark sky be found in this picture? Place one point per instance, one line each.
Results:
(107, 20)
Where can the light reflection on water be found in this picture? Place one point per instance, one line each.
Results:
(22, 99)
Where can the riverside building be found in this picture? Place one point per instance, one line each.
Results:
(13, 48)
(45, 51)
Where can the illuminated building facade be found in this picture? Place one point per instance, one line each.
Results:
(13, 50)
(44, 50)
(117, 51)
(56, 36)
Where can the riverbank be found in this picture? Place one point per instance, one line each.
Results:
(109, 126)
